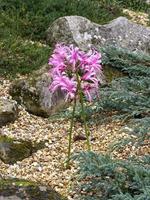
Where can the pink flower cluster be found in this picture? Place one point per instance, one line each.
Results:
(67, 62)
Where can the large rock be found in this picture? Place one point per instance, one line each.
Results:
(8, 111)
(80, 31)
(12, 150)
(33, 92)
(15, 189)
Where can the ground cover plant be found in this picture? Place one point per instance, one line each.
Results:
(21, 56)
(102, 177)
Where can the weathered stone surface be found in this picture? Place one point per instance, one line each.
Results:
(12, 150)
(22, 190)
(80, 31)
(34, 94)
(148, 2)
(8, 111)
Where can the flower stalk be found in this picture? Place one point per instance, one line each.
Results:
(87, 132)
(70, 133)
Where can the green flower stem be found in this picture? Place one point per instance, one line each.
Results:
(87, 132)
(70, 133)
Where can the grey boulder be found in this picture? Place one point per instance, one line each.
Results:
(13, 150)
(82, 32)
(148, 2)
(8, 111)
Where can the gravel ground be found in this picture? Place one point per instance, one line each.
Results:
(137, 17)
(46, 165)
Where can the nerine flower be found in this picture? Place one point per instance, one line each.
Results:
(92, 60)
(89, 90)
(65, 84)
(90, 75)
(61, 50)
(68, 61)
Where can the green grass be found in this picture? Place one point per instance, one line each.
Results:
(21, 56)
(136, 5)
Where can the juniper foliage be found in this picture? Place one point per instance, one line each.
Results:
(102, 178)
(128, 95)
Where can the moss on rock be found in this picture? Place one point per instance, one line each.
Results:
(23, 189)
(12, 150)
